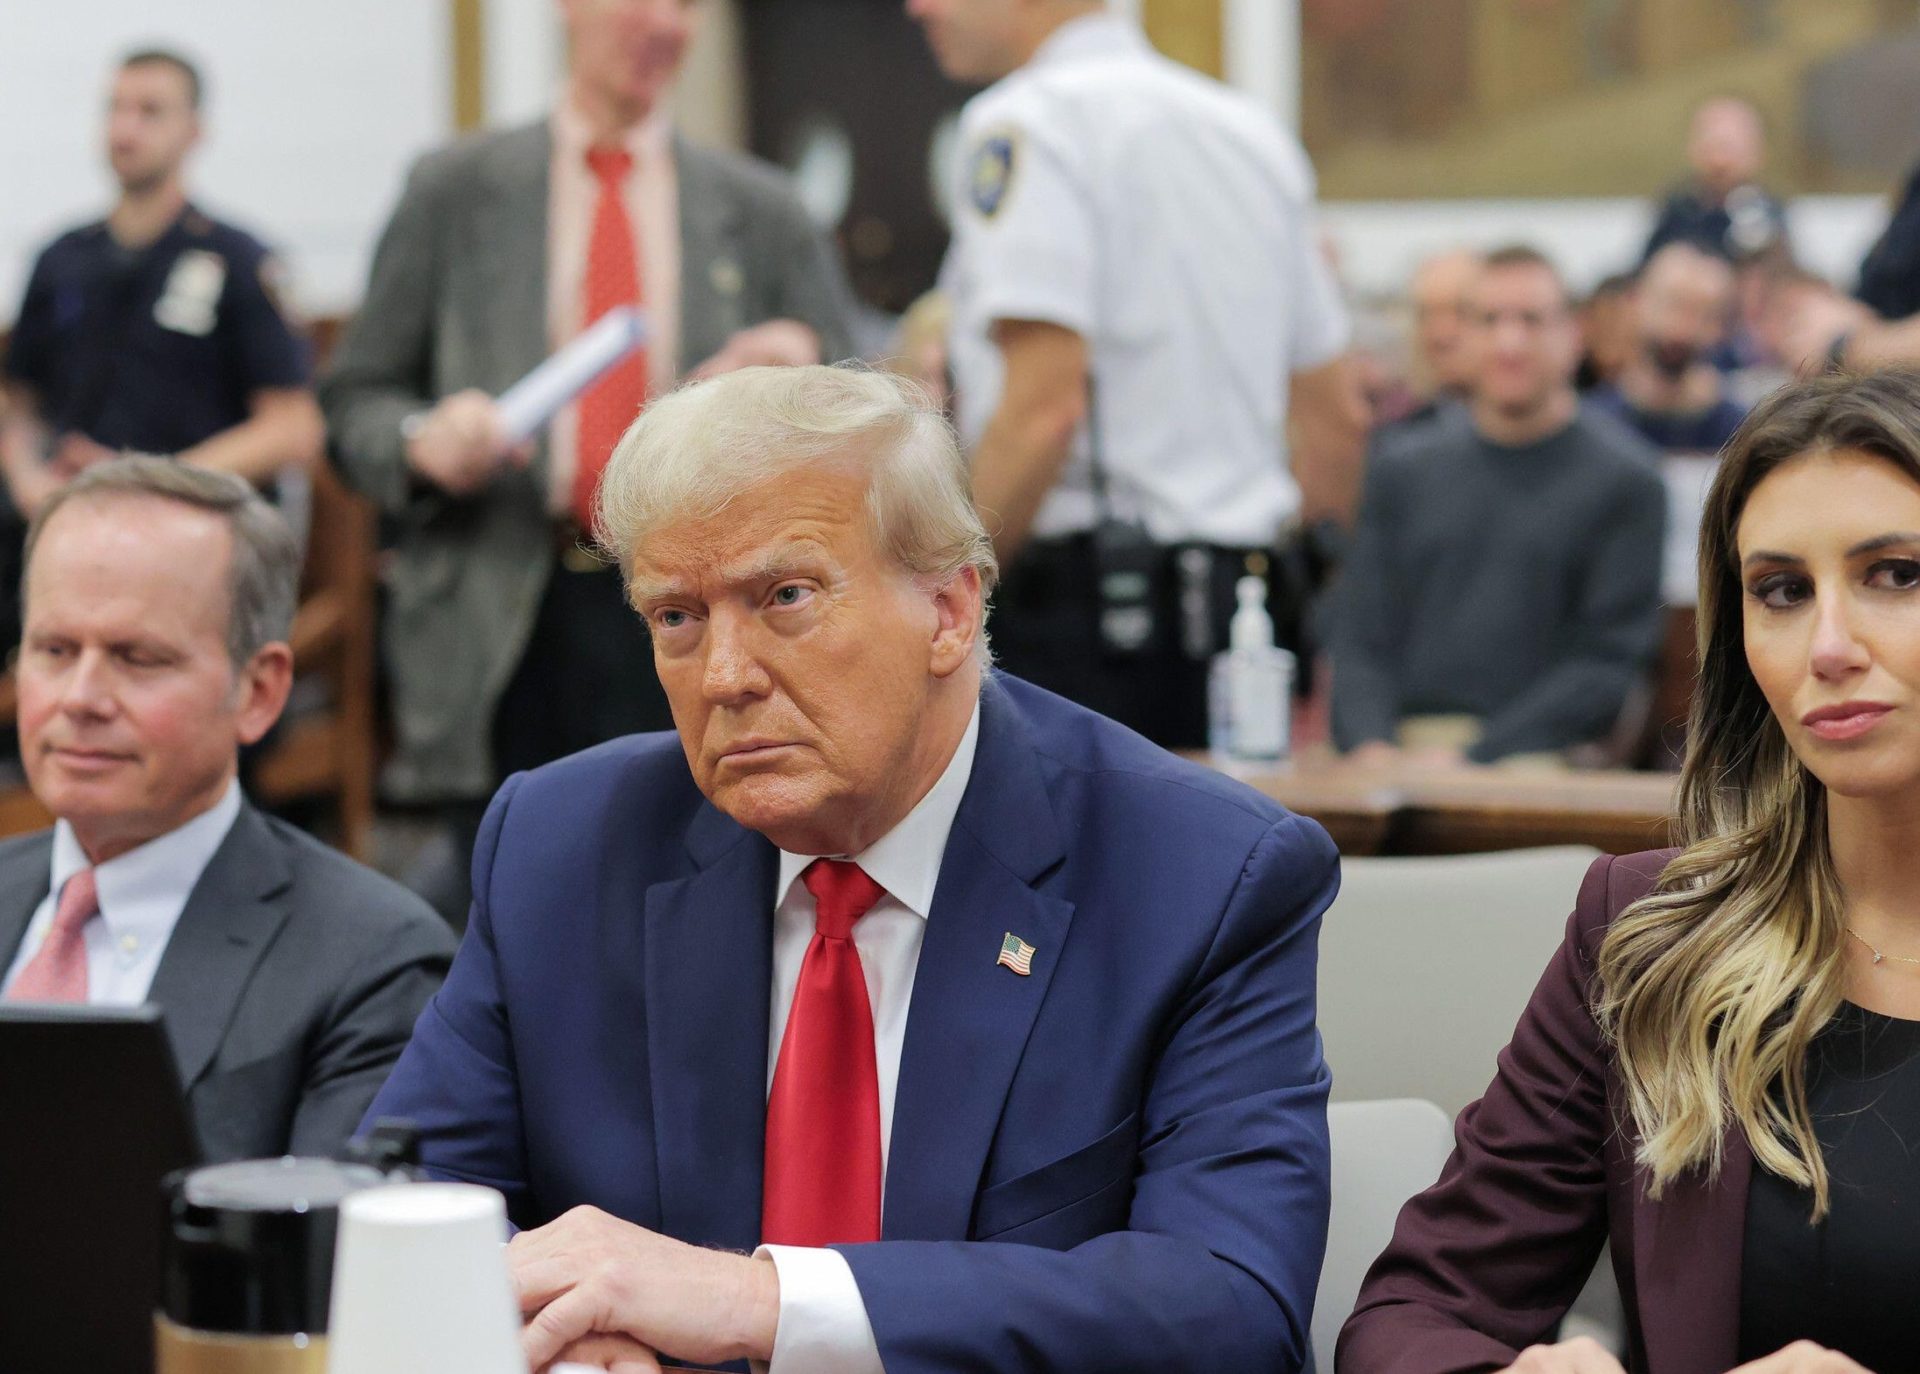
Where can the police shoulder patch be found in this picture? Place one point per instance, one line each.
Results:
(996, 162)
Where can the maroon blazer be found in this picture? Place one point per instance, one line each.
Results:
(1485, 1262)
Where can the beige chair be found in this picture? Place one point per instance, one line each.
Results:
(1383, 1153)
(1426, 963)
(1425, 966)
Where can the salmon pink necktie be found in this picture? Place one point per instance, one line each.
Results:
(58, 970)
(822, 1183)
(612, 280)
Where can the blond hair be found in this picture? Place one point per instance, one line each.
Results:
(692, 451)
(1712, 987)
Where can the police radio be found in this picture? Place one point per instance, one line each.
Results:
(1128, 565)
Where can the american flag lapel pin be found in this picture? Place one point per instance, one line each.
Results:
(1016, 954)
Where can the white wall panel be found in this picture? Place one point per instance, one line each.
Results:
(315, 110)
(526, 56)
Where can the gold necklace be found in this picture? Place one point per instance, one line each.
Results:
(1878, 957)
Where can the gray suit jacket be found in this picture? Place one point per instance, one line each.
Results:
(457, 299)
(289, 988)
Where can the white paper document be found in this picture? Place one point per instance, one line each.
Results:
(527, 405)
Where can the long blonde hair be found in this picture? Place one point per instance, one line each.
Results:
(1712, 987)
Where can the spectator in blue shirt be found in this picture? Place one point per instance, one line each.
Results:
(1670, 391)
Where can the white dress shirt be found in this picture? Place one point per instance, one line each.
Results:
(1169, 221)
(142, 894)
(823, 1323)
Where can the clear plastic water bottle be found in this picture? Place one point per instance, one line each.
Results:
(1250, 684)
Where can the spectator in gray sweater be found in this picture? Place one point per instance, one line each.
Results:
(1502, 593)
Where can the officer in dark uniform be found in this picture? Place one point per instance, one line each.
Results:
(1722, 209)
(156, 329)
(157, 348)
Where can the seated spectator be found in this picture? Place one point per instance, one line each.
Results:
(158, 599)
(1094, 1149)
(157, 329)
(1439, 293)
(1669, 391)
(1719, 1073)
(1504, 574)
(1381, 355)
(1880, 325)
(1722, 208)
(1606, 331)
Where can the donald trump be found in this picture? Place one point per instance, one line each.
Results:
(890, 1012)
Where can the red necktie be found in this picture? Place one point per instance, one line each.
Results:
(58, 971)
(822, 1182)
(613, 279)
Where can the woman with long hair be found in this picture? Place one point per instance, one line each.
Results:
(1720, 1070)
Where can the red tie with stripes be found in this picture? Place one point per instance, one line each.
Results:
(822, 1181)
(58, 972)
(612, 280)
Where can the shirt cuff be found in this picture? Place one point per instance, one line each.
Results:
(823, 1321)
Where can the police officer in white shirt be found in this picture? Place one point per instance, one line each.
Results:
(1134, 278)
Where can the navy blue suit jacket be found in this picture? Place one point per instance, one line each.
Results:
(1137, 1130)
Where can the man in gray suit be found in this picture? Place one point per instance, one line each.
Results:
(158, 602)
(507, 645)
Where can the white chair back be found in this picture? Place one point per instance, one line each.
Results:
(1383, 1153)
(1426, 964)
(1425, 967)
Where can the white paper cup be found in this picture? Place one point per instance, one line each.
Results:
(420, 1284)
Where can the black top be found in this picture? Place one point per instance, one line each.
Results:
(155, 348)
(1851, 1283)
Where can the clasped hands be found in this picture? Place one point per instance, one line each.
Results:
(1588, 1356)
(602, 1292)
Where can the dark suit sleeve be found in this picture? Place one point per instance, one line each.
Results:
(1217, 1267)
(1610, 640)
(366, 1029)
(1370, 616)
(456, 1080)
(380, 372)
(1487, 1261)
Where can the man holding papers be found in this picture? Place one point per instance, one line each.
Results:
(508, 645)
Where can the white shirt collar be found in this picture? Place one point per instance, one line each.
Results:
(650, 139)
(143, 891)
(1100, 34)
(906, 860)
